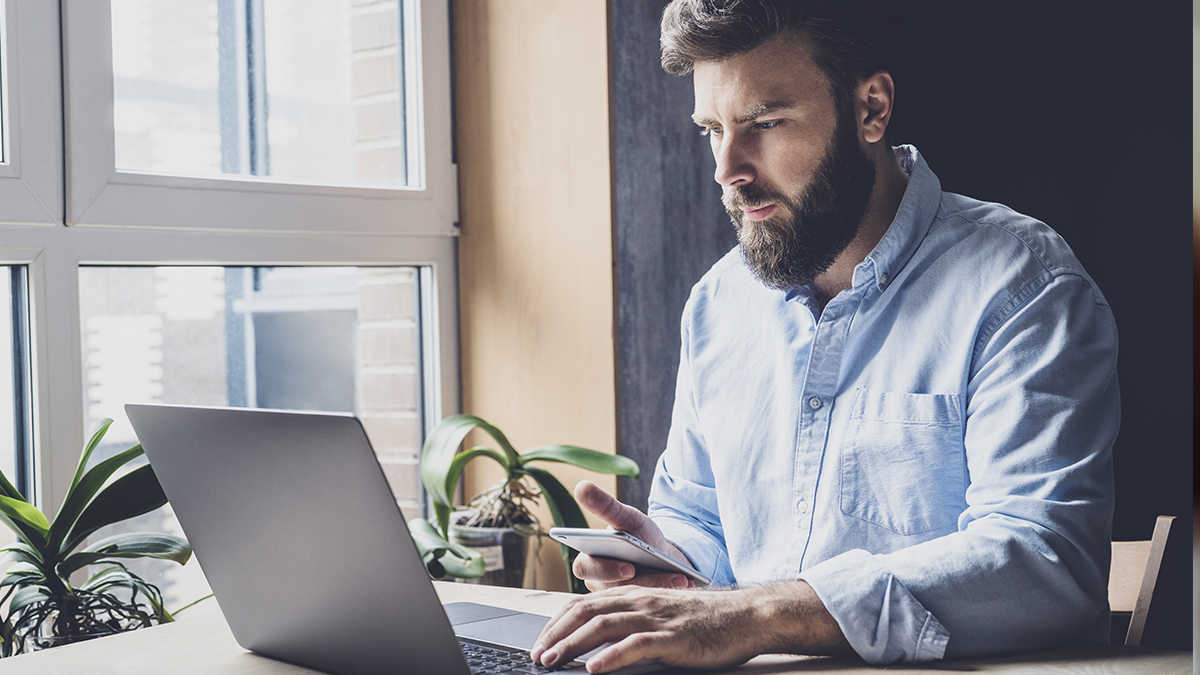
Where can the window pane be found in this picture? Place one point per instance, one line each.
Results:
(297, 89)
(336, 339)
(166, 86)
(3, 84)
(13, 400)
(8, 409)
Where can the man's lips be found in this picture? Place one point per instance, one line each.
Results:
(758, 212)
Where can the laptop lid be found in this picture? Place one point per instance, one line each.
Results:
(302, 542)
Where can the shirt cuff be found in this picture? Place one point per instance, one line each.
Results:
(883, 622)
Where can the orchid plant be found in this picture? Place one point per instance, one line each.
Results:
(44, 608)
(508, 503)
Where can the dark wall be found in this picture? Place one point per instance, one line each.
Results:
(1071, 112)
(670, 228)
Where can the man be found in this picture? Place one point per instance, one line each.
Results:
(895, 406)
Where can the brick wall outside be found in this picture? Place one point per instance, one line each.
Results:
(378, 141)
(389, 377)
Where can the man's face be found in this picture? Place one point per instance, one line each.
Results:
(795, 180)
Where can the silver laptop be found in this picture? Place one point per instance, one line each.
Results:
(306, 550)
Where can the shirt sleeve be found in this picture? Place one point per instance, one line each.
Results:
(1028, 564)
(683, 495)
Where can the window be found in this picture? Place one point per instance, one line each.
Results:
(231, 187)
(298, 89)
(339, 339)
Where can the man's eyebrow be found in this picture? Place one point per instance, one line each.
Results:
(750, 115)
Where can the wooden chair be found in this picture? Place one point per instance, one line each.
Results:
(1139, 584)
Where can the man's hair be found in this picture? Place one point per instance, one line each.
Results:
(851, 39)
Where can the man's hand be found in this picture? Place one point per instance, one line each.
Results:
(600, 573)
(695, 629)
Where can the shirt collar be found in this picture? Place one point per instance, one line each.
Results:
(917, 210)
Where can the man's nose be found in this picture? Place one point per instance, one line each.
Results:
(734, 161)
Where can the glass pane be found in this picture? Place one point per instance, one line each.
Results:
(3, 84)
(8, 440)
(11, 408)
(308, 90)
(338, 339)
(166, 86)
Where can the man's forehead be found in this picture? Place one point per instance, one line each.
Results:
(778, 74)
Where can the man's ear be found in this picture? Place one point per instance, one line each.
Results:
(876, 96)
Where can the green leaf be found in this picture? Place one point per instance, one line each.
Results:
(130, 545)
(95, 435)
(114, 575)
(191, 604)
(8, 490)
(565, 512)
(459, 567)
(455, 471)
(24, 519)
(131, 495)
(23, 575)
(20, 552)
(27, 596)
(438, 455)
(585, 458)
(84, 489)
(442, 512)
(444, 557)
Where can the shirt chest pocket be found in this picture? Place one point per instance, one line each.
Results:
(903, 465)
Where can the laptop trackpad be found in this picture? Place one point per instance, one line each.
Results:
(461, 613)
(513, 629)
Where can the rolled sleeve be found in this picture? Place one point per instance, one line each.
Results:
(880, 618)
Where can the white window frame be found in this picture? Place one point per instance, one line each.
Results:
(110, 217)
(31, 185)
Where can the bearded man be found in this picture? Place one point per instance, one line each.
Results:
(895, 406)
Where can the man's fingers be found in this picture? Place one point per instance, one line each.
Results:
(628, 650)
(576, 612)
(603, 570)
(644, 580)
(600, 573)
(597, 631)
(585, 624)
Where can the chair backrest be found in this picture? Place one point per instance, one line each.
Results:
(1139, 584)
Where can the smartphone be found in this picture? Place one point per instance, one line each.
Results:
(623, 546)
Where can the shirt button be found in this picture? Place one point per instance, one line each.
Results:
(802, 507)
(883, 279)
(814, 403)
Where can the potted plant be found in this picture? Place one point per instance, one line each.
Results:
(506, 505)
(44, 607)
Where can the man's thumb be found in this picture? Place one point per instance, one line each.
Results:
(606, 507)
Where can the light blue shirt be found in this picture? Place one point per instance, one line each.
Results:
(931, 453)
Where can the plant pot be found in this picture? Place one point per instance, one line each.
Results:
(38, 643)
(504, 550)
(41, 635)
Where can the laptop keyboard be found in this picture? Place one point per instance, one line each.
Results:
(486, 659)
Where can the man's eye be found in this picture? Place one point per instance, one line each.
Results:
(770, 124)
(710, 131)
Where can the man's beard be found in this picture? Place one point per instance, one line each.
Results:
(788, 253)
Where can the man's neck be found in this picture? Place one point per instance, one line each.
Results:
(890, 184)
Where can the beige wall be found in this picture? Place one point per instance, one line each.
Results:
(535, 257)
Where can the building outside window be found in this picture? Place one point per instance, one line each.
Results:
(253, 203)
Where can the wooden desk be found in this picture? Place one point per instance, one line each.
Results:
(200, 643)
